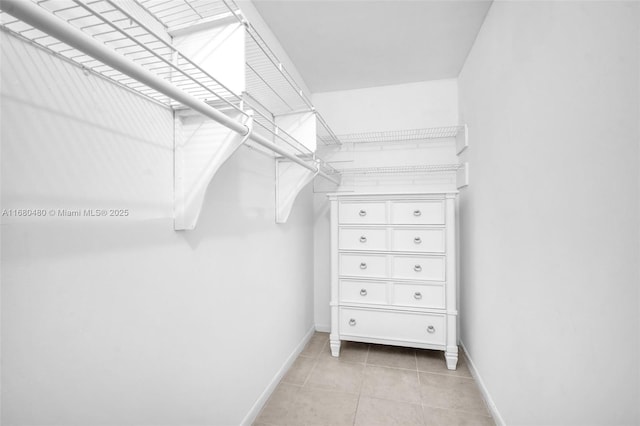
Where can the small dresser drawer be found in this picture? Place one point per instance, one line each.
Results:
(393, 325)
(363, 265)
(417, 212)
(362, 239)
(419, 239)
(363, 292)
(362, 212)
(421, 296)
(427, 268)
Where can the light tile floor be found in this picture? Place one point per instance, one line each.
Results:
(373, 385)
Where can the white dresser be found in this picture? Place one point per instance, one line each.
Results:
(393, 271)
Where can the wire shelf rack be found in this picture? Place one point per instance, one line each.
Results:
(143, 40)
(396, 136)
(176, 13)
(110, 23)
(269, 83)
(417, 169)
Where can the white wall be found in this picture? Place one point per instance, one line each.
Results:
(253, 16)
(550, 222)
(125, 321)
(378, 109)
(397, 107)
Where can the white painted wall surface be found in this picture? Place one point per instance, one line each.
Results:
(550, 222)
(125, 321)
(252, 14)
(397, 107)
(379, 109)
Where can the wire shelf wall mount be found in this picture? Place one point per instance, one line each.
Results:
(130, 43)
(390, 157)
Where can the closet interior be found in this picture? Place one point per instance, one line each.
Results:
(398, 206)
(170, 52)
(226, 88)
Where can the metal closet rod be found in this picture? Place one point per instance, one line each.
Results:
(46, 22)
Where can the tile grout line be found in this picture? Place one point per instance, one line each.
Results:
(366, 357)
(315, 363)
(424, 420)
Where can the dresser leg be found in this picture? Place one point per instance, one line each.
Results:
(451, 355)
(335, 346)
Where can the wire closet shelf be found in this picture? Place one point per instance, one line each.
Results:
(120, 27)
(401, 170)
(398, 137)
(270, 86)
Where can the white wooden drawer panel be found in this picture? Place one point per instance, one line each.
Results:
(362, 239)
(362, 212)
(363, 265)
(423, 296)
(393, 325)
(363, 292)
(418, 212)
(427, 268)
(420, 240)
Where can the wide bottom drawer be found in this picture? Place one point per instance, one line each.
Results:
(392, 325)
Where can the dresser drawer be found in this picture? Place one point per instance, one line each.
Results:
(418, 239)
(417, 212)
(362, 212)
(362, 239)
(421, 296)
(393, 325)
(363, 265)
(427, 268)
(363, 292)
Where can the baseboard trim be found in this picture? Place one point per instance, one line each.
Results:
(257, 406)
(323, 328)
(485, 393)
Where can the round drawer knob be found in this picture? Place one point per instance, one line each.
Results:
(352, 322)
(417, 268)
(417, 213)
(363, 265)
(362, 213)
(363, 292)
(431, 329)
(417, 240)
(363, 239)
(417, 295)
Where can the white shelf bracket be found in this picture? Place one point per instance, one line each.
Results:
(462, 176)
(201, 147)
(462, 139)
(290, 181)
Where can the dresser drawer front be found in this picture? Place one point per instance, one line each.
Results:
(362, 239)
(362, 212)
(422, 296)
(363, 292)
(418, 212)
(362, 265)
(393, 325)
(419, 240)
(427, 268)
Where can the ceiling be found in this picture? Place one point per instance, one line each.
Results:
(350, 44)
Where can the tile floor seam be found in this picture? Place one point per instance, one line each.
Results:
(355, 414)
(396, 368)
(457, 410)
(444, 375)
(313, 367)
(392, 368)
